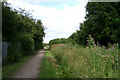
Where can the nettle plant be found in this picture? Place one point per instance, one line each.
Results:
(103, 60)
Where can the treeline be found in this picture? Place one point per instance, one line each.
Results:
(21, 31)
(58, 41)
(102, 21)
(71, 39)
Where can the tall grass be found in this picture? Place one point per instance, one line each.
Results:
(93, 61)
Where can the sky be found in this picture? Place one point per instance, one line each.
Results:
(61, 18)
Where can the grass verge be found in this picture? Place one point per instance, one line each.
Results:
(90, 62)
(9, 70)
(48, 67)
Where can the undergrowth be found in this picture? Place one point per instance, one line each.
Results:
(93, 61)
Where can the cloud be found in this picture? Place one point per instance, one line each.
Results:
(38, 1)
(60, 22)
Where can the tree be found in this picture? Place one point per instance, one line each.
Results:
(21, 31)
(102, 20)
(39, 34)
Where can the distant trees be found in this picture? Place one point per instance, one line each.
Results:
(23, 33)
(58, 41)
(73, 38)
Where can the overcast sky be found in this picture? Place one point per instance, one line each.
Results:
(60, 17)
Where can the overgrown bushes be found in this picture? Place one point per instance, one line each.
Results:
(27, 45)
(93, 61)
(22, 32)
(39, 45)
(14, 54)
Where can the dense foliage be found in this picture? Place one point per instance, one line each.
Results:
(23, 33)
(102, 22)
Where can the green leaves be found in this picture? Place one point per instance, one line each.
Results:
(21, 30)
(101, 22)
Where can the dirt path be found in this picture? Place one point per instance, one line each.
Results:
(30, 69)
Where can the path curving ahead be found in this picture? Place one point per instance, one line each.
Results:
(31, 68)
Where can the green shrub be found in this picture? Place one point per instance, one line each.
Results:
(14, 54)
(38, 44)
(27, 45)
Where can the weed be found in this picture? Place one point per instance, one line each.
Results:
(93, 61)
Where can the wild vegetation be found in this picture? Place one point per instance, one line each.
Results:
(22, 33)
(80, 55)
(101, 21)
(92, 61)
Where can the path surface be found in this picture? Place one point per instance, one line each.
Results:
(31, 68)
